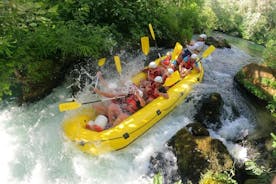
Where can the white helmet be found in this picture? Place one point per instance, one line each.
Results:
(170, 70)
(158, 79)
(193, 56)
(204, 36)
(152, 65)
(140, 93)
(101, 121)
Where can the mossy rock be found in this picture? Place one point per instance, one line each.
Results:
(197, 129)
(210, 110)
(218, 42)
(260, 82)
(197, 154)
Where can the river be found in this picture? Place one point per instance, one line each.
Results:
(34, 149)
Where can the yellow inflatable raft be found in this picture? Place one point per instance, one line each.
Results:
(126, 132)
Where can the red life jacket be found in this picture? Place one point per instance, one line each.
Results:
(189, 64)
(132, 104)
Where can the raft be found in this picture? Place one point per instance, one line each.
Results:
(134, 126)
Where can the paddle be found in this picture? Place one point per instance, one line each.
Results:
(145, 45)
(176, 51)
(74, 105)
(153, 37)
(208, 51)
(118, 64)
(172, 79)
(101, 62)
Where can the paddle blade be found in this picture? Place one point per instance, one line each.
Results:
(208, 51)
(145, 44)
(172, 79)
(101, 62)
(68, 106)
(118, 64)
(176, 51)
(151, 32)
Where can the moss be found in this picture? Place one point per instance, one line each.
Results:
(211, 177)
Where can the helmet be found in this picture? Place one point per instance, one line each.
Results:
(140, 93)
(91, 122)
(193, 56)
(170, 70)
(204, 36)
(158, 79)
(152, 65)
(101, 121)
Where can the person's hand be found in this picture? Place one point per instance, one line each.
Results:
(95, 89)
(99, 73)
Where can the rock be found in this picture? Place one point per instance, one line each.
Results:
(258, 84)
(160, 162)
(260, 77)
(196, 155)
(218, 42)
(197, 129)
(210, 110)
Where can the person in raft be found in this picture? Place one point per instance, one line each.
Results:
(187, 64)
(154, 70)
(119, 109)
(192, 47)
(155, 90)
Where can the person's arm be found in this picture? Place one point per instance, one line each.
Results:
(196, 67)
(107, 94)
(162, 91)
(141, 100)
(101, 79)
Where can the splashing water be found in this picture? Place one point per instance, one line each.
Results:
(34, 149)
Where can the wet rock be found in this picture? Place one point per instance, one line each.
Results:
(196, 155)
(165, 164)
(210, 110)
(258, 80)
(197, 129)
(218, 42)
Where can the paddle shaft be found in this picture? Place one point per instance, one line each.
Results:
(100, 100)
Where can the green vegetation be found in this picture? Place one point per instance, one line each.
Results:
(218, 178)
(258, 92)
(40, 39)
(259, 173)
(274, 143)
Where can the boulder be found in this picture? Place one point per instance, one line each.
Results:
(197, 154)
(259, 82)
(197, 129)
(210, 110)
(218, 42)
(160, 162)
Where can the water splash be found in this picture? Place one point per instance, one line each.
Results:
(34, 149)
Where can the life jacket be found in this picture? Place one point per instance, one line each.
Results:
(189, 64)
(132, 105)
(166, 61)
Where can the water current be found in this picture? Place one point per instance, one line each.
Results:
(34, 149)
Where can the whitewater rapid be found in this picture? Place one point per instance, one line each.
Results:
(34, 149)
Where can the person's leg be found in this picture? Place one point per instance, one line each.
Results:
(114, 111)
(100, 108)
(120, 118)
